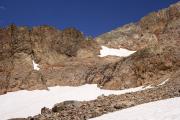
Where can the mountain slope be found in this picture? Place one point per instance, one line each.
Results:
(156, 39)
(66, 57)
(161, 110)
(83, 110)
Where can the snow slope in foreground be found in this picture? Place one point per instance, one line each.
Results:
(105, 51)
(28, 103)
(160, 110)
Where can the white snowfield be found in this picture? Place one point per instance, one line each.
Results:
(168, 109)
(28, 103)
(35, 66)
(105, 51)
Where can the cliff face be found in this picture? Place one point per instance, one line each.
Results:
(48, 47)
(156, 37)
(66, 57)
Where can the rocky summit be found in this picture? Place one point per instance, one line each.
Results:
(67, 57)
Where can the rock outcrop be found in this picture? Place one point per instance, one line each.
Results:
(54, 50)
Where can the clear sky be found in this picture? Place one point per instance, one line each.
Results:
(93, 17)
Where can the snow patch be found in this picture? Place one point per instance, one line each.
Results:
(35, 66)
(148, 87)
(163, 82)
(105, 51)
(168, 109)
(28, 103)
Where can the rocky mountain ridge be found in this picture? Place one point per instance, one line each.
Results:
(143, 33)
(156, 39)
(66, 57)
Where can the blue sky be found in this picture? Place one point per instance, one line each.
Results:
(93, 17)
